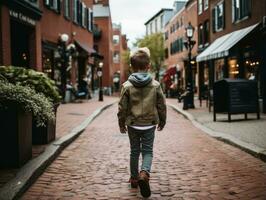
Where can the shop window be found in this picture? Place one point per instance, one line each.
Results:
(47, 60)
(219, 69)
(206, 4)
(240, 9)
(116, 57)
(218, 17)
(233, 68)
(67, 8)
(200, 6)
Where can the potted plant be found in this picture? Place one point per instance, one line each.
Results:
(41, 84)
(17, 106)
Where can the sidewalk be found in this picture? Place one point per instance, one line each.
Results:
(249, 135)
(72, 119)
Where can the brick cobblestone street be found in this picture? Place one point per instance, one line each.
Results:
(188, 164)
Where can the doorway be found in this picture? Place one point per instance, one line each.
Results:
(20, 44)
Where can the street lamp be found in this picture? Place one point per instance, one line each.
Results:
(100, 74)
(189, 96)
(63, 39)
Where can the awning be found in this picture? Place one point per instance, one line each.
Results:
(221, 46)
(85, 47)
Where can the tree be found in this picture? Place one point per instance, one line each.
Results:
(155, 42)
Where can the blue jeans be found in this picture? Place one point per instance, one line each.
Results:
(141, 141)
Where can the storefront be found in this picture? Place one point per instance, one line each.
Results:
(234, 55)
(20, 34)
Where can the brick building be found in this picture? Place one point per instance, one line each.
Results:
(30, 32)
(234, 52)
(103, 40)
(120, 68)
(20, 33)
(175, 51)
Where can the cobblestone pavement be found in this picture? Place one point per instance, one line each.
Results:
(188, 164)
(252, 131)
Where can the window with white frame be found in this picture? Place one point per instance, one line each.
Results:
(200, 6)
(115, 39)
(116, 57)
(206, 4)
(75, 11)
(218, 17)
(53, 4)
(161, 21)
(156, 25)
(240, 9)
(89, 19)
(67, 8)
(151, 31)
(84, 15)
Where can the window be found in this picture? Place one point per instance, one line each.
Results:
(161, 19)
(176, 46)
(200, 6)
(166, 35)
(116, 57)
(166, 53)
(67, 8)
(84, 15)
(53, 5)
(201, 42)
(151, 28)
(206, 4)
(206, 30)
(156, 25)
(89, 19)
(218, 17)
(240, 9)
(75, 11)
(116, 39)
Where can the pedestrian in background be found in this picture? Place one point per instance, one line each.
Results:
(141, 107)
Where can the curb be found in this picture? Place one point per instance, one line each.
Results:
(252, 149)
(35, 167)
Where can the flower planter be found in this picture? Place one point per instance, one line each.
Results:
(44, 135)
(15, 137)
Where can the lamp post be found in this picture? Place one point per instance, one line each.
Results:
(189, 97)
(100, 74)
(177, 81)
(63, 39)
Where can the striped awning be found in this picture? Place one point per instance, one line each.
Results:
(221, 46)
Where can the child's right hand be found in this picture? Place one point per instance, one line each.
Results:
(123, 130)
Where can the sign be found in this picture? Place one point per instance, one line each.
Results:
(22, 17)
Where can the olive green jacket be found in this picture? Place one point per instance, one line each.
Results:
(141, 106)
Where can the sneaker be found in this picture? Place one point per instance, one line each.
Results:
(144, 184)
(133, 182)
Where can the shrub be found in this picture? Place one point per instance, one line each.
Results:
(29, 77)
(28, 100)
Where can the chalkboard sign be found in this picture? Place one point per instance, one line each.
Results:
(235, 96)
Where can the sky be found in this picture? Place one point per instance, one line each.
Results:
(132, 14)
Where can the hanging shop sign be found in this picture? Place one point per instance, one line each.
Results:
(21, 17)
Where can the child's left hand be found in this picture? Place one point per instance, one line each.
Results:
(123, 130)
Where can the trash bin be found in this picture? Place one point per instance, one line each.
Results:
(235, 96)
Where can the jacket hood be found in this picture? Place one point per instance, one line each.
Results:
(140, 79)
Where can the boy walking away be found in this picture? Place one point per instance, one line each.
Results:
(141, 107)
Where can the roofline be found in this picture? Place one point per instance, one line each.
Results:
(162, 10)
